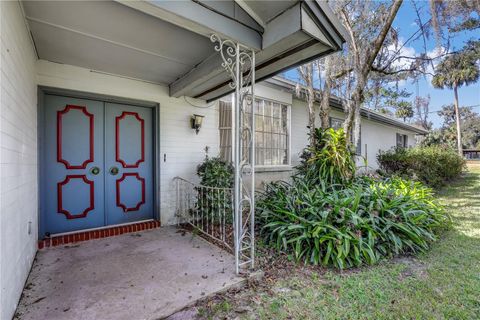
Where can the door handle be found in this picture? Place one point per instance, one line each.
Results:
(95, 170)
(113, 171)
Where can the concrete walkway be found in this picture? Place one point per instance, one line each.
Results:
(147, 275)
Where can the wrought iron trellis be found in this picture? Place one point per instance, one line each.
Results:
(239, 62)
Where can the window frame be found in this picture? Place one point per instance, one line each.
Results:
(404, 140)
(262, 167)
(268, 167)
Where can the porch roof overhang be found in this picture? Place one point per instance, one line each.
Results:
(167, 42)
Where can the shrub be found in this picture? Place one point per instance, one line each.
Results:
(433, 165)
(328, 158)
(349, 226)
(329, 216)
(215, 173)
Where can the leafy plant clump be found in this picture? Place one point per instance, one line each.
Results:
(347, 227)
(214, 172)
(328, 158)
(214, 197)
(331, 217)
(433, 165)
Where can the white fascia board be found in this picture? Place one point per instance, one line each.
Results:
(288, 23)
(199, 19)
(273, 67)
(203, 75)
(311, 27)
(296, 19)
(242, 4)
(291, 39)
(327, 21)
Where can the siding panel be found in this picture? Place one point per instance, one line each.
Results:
(18, 160)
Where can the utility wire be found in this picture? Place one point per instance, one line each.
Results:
(472, 106)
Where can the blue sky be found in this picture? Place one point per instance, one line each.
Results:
(468, 96)
(405, 23)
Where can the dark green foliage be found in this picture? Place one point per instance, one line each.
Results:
(433, 165)
(458, 69)
(214, 172)
(213, 200)
(347, 227)
(329, 216)
(447, 134)
(328, 159)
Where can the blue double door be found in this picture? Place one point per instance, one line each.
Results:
(97, 164)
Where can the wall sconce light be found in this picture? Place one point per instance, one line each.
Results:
(196, 122)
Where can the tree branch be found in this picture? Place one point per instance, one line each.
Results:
(383, 33)
(349, 28)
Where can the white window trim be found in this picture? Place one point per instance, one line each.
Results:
(270, 167)
(273, 168)
(280, 167)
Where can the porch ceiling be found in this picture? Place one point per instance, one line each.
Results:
(167, 42)
(110, 37)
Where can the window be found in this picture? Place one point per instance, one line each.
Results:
(225, 126)
(271, 132)
(402, 140)
(336, 123)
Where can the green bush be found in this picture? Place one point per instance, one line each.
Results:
(215, 173)
(329, 216)
(349, 226)
(433, 165)
(328, 158)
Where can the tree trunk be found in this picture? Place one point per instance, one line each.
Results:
(352, 121)
(308, 77)
(325, 106)
(457, 117)
(325, 93)
(362, 66)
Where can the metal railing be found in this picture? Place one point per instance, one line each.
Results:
(208, 210)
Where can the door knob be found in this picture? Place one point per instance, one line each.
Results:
(113, 171)
(95, 171)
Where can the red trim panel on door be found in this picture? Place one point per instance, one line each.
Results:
(60, 185)
(117, 139)
(60, 159)
(118, 193)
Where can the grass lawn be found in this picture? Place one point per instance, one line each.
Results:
(441, 284)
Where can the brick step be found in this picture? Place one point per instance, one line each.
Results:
(96, 234)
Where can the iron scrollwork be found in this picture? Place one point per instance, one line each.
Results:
(239, 61)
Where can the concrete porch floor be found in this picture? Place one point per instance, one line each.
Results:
(146, 275)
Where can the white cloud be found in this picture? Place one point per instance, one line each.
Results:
(401, 50)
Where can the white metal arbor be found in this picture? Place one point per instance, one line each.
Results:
(239, 62)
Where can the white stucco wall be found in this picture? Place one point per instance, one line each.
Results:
(183, 149)
(18, 147)
(375, 135)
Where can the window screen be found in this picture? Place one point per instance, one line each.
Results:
(271, 132)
